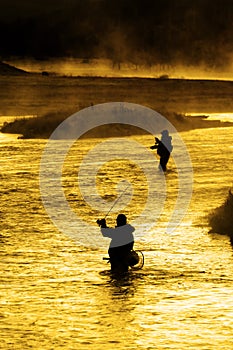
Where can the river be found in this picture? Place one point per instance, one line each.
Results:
(58, 294)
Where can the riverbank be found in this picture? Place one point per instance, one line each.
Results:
(53, 98)
(221, 219)
(42, 127)
(7, 69)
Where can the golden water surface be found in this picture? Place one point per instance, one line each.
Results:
(58, 294)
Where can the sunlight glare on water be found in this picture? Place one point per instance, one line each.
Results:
(56, 294)
(223, 117)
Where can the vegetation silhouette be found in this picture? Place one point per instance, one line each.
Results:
(221, 219)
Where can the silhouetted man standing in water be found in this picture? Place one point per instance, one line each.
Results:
(121, 245)
(164, 148)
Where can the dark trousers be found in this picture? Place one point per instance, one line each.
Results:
(163, 162)
(119, 258)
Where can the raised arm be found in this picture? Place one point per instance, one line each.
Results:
(106, 231)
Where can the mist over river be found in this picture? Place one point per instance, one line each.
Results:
(58, 294)
(107, 68)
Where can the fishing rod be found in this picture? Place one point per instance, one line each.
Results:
(129, 184)
(100, 220)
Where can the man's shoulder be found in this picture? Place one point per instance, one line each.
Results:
(129, 228)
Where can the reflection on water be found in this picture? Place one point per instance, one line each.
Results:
(56, 294)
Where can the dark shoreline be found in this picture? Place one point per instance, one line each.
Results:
(42, 127)
(221, 219)
(53, 98)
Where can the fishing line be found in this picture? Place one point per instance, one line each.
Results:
(118, 199)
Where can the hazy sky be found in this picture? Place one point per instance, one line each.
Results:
(13, 9)
(148, 31)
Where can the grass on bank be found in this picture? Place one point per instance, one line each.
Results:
(43, 126)
(35, 127)
(221, 218)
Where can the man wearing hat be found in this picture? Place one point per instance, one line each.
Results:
(164, 148)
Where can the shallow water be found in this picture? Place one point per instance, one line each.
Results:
(58, 294)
